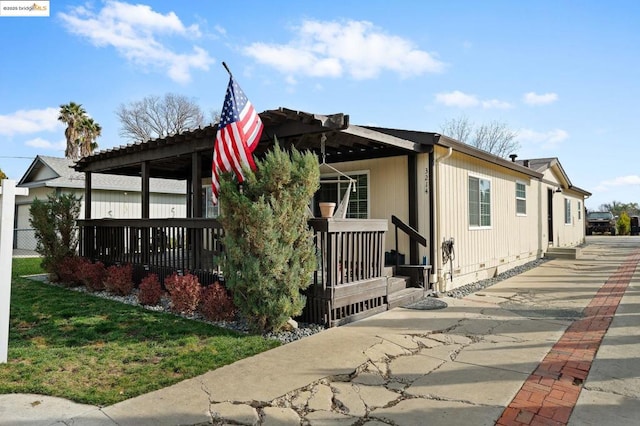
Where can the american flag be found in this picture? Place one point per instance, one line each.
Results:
(238, 135)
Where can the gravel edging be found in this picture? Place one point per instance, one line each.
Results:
(468, 289)
(239, 324)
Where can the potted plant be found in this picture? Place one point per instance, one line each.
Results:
(326, 209)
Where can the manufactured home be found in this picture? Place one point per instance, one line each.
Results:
(423, 212)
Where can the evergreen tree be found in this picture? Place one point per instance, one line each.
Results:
(623, 224)
(54, 223)
(269, 251)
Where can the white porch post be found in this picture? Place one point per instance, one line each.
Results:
(8, 192)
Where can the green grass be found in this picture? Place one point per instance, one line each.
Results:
(96, 351)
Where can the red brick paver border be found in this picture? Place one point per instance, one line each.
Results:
(549, 394)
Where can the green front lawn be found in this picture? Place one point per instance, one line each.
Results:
(96, 351)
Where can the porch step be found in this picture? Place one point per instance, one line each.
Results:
(395, 284)
(405, 297)
(564, 253)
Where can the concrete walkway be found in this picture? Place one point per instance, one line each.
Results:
(505, 355)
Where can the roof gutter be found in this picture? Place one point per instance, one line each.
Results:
(469, 150)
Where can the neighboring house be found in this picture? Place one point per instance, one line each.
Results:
(465, 213)
(112, 196)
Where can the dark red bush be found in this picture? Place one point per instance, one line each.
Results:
(119, 280)
(216, 304)
(184, 291)
(67, 271)
(91, 275)
(150, 290)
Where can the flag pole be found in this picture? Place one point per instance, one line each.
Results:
(227, 68)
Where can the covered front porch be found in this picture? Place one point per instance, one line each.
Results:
(351, 281)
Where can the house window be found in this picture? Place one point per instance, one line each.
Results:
(334, 188)
(567, 211)
(521, 199)
(208, 209)
(479, 202)
(579, 210)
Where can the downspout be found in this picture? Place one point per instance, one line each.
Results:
(434, 231)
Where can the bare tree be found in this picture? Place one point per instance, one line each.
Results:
(214, 115)
(458, 128)
(494, 137)
(157, 117)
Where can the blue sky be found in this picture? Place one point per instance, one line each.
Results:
(563, 74)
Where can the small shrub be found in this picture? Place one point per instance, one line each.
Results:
(67, 270)
(184, 291)
(150, 290)
(623, 224)
(119, 280)
(216, 304)
(92, 275)
(54, 224)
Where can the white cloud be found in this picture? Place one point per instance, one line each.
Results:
(30, 121)
(533, 98)
(621, 181)
(133, 31)
(356, 48)
(45, 144)
(545, 140)
(496, 104)
(457, 99)
(464, 100)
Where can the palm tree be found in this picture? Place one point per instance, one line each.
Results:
(89, 131)
(72, 115)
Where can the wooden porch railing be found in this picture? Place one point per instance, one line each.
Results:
(161, 246)
(350, 250)
(348, 282)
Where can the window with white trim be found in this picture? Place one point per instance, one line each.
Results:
(521, 199)
(567, 211)
(479, 202)
(208, 209)
(579, 210)
(334, 190)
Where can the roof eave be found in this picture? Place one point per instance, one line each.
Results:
(464, 148)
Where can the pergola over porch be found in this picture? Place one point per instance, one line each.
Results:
(352, 250)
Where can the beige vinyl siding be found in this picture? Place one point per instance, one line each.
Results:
(482, 252)
(572, 233)
(387, 192)
(564, 234)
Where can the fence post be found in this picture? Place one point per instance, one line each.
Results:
(8, 192)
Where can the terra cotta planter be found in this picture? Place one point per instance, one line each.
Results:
(326, 209)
